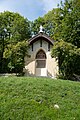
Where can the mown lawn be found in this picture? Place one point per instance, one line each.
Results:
(24, 98)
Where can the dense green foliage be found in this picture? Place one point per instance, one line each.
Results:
(14, 32)
(68, 59)
(67, 33)
(34, 99)
(15, 55)
(69, 23)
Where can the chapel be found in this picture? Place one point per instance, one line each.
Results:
(40, 63)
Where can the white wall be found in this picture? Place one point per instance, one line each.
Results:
(51, 64)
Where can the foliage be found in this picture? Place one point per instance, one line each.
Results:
(15, 54)
(68, 59)
(21, 98)
(46, 22)
(69, 27)
(67, 35)
(36, 24)
(49, 23)
(17, 32)
(17, 25)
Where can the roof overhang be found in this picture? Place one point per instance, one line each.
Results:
(41, 36)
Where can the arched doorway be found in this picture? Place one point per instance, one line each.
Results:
(41, 63)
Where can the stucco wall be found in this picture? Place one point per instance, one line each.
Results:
(30, 63)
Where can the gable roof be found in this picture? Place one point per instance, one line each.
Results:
(41, 35)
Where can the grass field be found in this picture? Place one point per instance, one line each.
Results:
(24, 98)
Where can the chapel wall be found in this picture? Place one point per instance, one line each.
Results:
(30, 63)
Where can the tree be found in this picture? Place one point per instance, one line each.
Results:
(17, 30)
(47, 22)
(15, 55)
(69, 27)
(36, 24)
(67, 35)
(68, 59)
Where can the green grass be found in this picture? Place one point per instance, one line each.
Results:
(24, 98)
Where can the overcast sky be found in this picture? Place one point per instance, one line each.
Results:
(30, 9)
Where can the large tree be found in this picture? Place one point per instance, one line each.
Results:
(14, 54)
(68, 56)
(69, 27)
(13, 29)
(67, 35)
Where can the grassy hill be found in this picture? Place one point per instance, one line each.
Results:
(24, 98)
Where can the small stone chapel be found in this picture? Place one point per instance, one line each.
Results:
(40, 62)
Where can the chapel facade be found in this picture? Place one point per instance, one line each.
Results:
(40, 63)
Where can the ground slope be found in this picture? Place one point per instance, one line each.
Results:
(24, 98)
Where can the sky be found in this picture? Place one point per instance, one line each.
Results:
(30, 9)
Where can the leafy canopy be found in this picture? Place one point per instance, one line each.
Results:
(13, 45)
